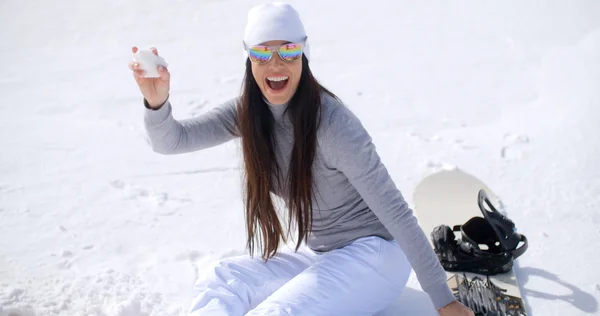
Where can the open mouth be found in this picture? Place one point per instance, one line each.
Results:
(277, 83)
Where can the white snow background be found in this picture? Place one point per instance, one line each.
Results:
(92, 222)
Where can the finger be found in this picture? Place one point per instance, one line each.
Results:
(164, 73)
(139, 73)
(154, 50)
(134, 65)
(139, 79)
(134, 49)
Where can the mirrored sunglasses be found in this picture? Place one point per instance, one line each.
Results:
(261, 54)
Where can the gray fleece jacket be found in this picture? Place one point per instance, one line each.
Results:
(355, 195)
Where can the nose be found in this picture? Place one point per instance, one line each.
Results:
(276, 60)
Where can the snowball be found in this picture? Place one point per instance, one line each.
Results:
(149, 62)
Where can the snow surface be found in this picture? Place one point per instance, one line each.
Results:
(92, 222)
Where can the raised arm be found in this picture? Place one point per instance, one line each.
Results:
(170, 136)
(350, 150)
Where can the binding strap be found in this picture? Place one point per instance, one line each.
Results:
(504, 229)
(455, 255)
(496, 231)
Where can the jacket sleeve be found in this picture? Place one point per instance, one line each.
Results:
(350, 149)
(170, 136)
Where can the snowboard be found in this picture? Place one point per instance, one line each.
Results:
(451, 197)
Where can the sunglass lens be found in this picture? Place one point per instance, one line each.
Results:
(290, 52)
(260, 54)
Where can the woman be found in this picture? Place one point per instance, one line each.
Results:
(356, 237)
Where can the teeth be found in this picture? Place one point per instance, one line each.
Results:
(277, 78)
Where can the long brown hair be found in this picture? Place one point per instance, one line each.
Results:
(255, 122)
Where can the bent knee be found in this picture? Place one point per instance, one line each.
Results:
(221, 271)
(393, 264)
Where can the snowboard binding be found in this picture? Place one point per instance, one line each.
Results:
(488, 245)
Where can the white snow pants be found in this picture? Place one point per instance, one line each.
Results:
(359, 279)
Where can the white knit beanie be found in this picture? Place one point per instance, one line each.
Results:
(274, 21)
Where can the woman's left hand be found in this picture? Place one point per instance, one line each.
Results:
(455, 309)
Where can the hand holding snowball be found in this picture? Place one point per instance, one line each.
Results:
(151, 75)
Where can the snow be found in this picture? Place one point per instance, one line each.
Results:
(92, 222)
